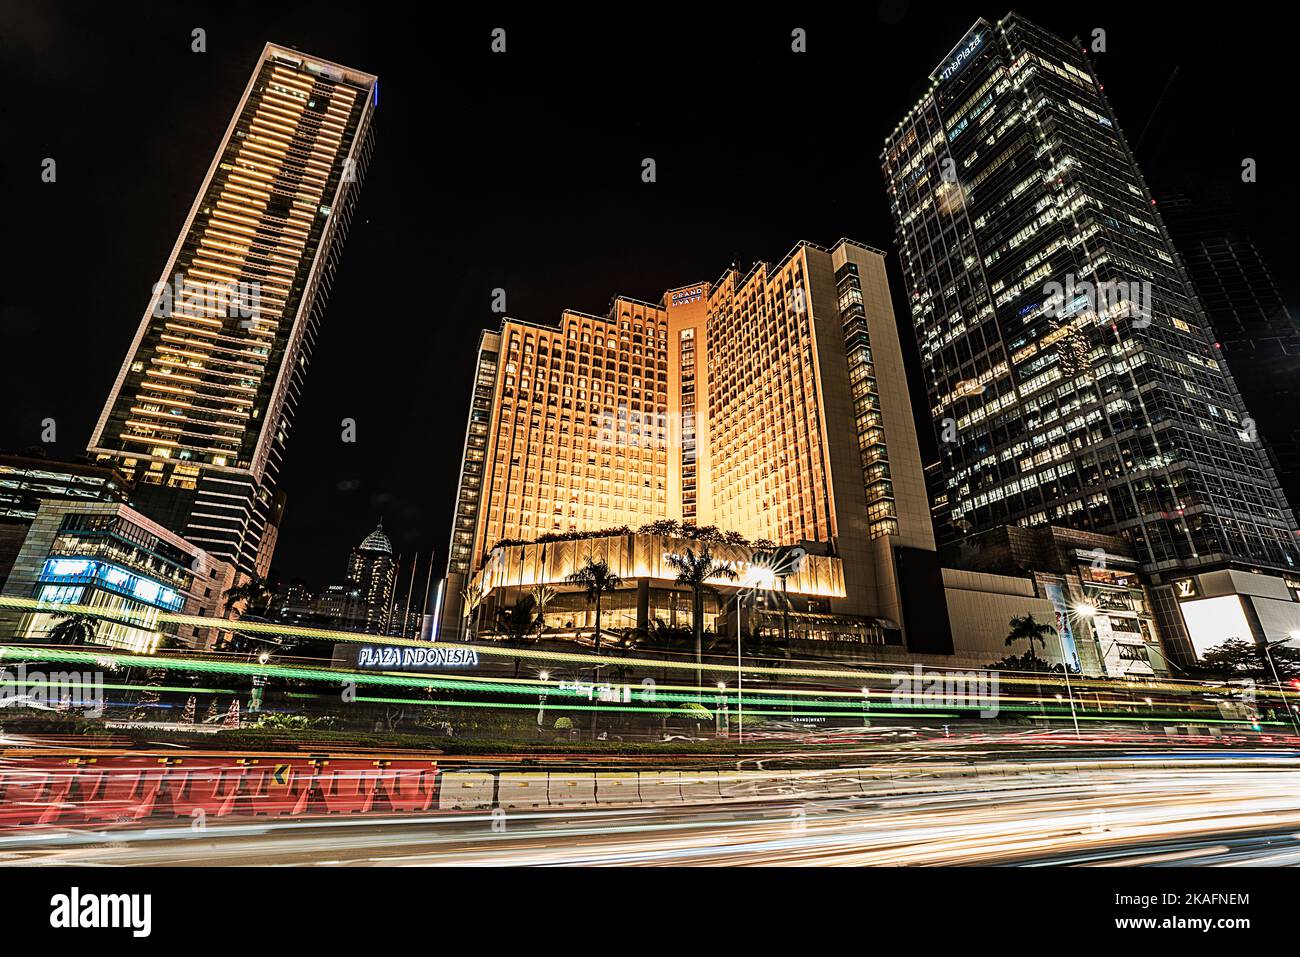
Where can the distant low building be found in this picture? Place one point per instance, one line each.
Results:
(26, 480)
(126, 568)
(1089, 587)
(363, 602)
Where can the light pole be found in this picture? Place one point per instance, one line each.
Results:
(1086, 610)
(764, 577)
(541, 698)
(1065, 666)
(721, 702)
(259, 683)
(740, 680)
(1268, 653)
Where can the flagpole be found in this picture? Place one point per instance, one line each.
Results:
(424, 606)
(392, 598)
(406, 610)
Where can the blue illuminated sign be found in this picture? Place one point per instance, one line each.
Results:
(961, 55)
(114, 579)
(957, 62)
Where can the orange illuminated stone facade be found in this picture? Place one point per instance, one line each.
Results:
(771, 404)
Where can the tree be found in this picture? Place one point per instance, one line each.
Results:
(754, 643)
(1026, 662)
(1238, 658)
(255, 591)
(596, 579)
(150, 696)
(694, 571)
(519, 622)
(664, 526)
(662, 636)
(74, 629)
(257, 594)
(543, 595)
(1025, 628)
(471, 597)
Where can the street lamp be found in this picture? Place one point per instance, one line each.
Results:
(1086, 611)
(761, 577)
(541, 698)
(1065, 666)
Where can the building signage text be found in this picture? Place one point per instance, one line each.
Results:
(957, 62)
(387, 657)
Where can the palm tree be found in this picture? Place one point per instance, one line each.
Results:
(74, 629)
(596, 578)
(518, 623)
(543, 595)
(694, 571)
(471, 597)
(256, 591)
(1025, 628)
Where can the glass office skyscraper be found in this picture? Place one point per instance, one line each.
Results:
(202, 408)
(1073, 378)
(1259, 336)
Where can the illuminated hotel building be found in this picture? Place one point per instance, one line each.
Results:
(772, 404)
(201, 410)
(1012, 186)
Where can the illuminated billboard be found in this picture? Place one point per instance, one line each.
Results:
(1212, 621)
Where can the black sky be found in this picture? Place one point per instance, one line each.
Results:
(522, 171)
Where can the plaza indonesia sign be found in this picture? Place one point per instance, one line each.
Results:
(404, 658)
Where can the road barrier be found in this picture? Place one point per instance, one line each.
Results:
(617, 788)
(467, 790)
(135, 789)
(516, 789)
(572, 789)
(58, 792)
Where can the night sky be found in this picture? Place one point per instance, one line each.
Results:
(522, 171)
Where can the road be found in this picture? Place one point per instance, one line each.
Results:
(1215, 813)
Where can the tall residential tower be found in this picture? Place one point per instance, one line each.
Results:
(201, 410)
